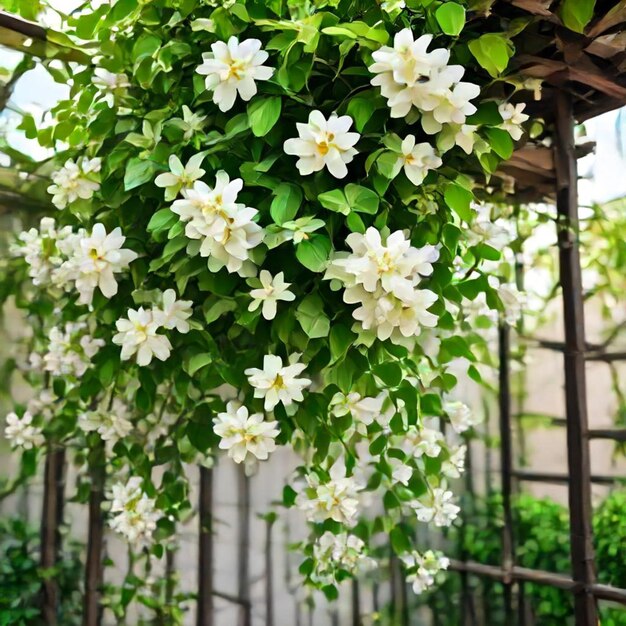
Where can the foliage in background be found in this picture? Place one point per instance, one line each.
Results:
(20, 577)
(542, 542)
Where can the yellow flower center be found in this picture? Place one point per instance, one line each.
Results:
(278, 383)
(236, 69)
(326, 144)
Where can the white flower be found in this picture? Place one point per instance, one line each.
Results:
(324, 143)
(110, 83)
(462, 135)
(454, 466)
(72, 182)
(400, 472)
(513, 118)
(231, 69)
(418, 160)
(21, 432)
(423, 568)
(70, 350)
(363, 410)
(111, 424)
(277, 383)
(246, 437)
(342, 551)
(47, 252)
(513, 300)
(452, 107)
(180, 177)
(225, 227)
(190, 124)
(336, 499)
(108, 80)
(485, 230)
(423, 441)
(133, 513)
(460, 416)
(437, 507)
(174, 313)
(409, 76)
(395, 266)
(43, 404)
(138, 334)
(101, 257)
(271, 291)
(383, 279)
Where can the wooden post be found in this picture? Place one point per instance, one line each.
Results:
(205, 549)
(92, 613)
(574, 356)
(243, 565)
(506, 460)
(51, 520)
(269, 573)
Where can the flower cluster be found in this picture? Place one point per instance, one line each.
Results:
(344, 552)
(383, 279)
(61, 258)
(111, 423)
(133, 513)
(138, 333)
(22, 433)
(226, 229)
(75, 180)
(411, 77)
(336, 497)
(247, 438)
(461, 416)
(46, 251)
(70, 350)
(436, 507)
(423, 569)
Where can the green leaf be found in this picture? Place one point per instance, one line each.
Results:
(313, 253)
(138, 172)
(451, 18)
(341, 338)
(263, 115)
(334, 200)
(197, 362)
(378, 445)
(389, 373)
(217, 309)
(500, 142)
(399, 540)
(492, 51)
(362, 199)
(360, 110)
(576, 14)
(459, 200)
(312, 318)
(162, 220)
(287, 201)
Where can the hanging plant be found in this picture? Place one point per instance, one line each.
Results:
(265, 227)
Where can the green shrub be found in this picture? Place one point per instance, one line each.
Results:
(542, 542)
(20, 577)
